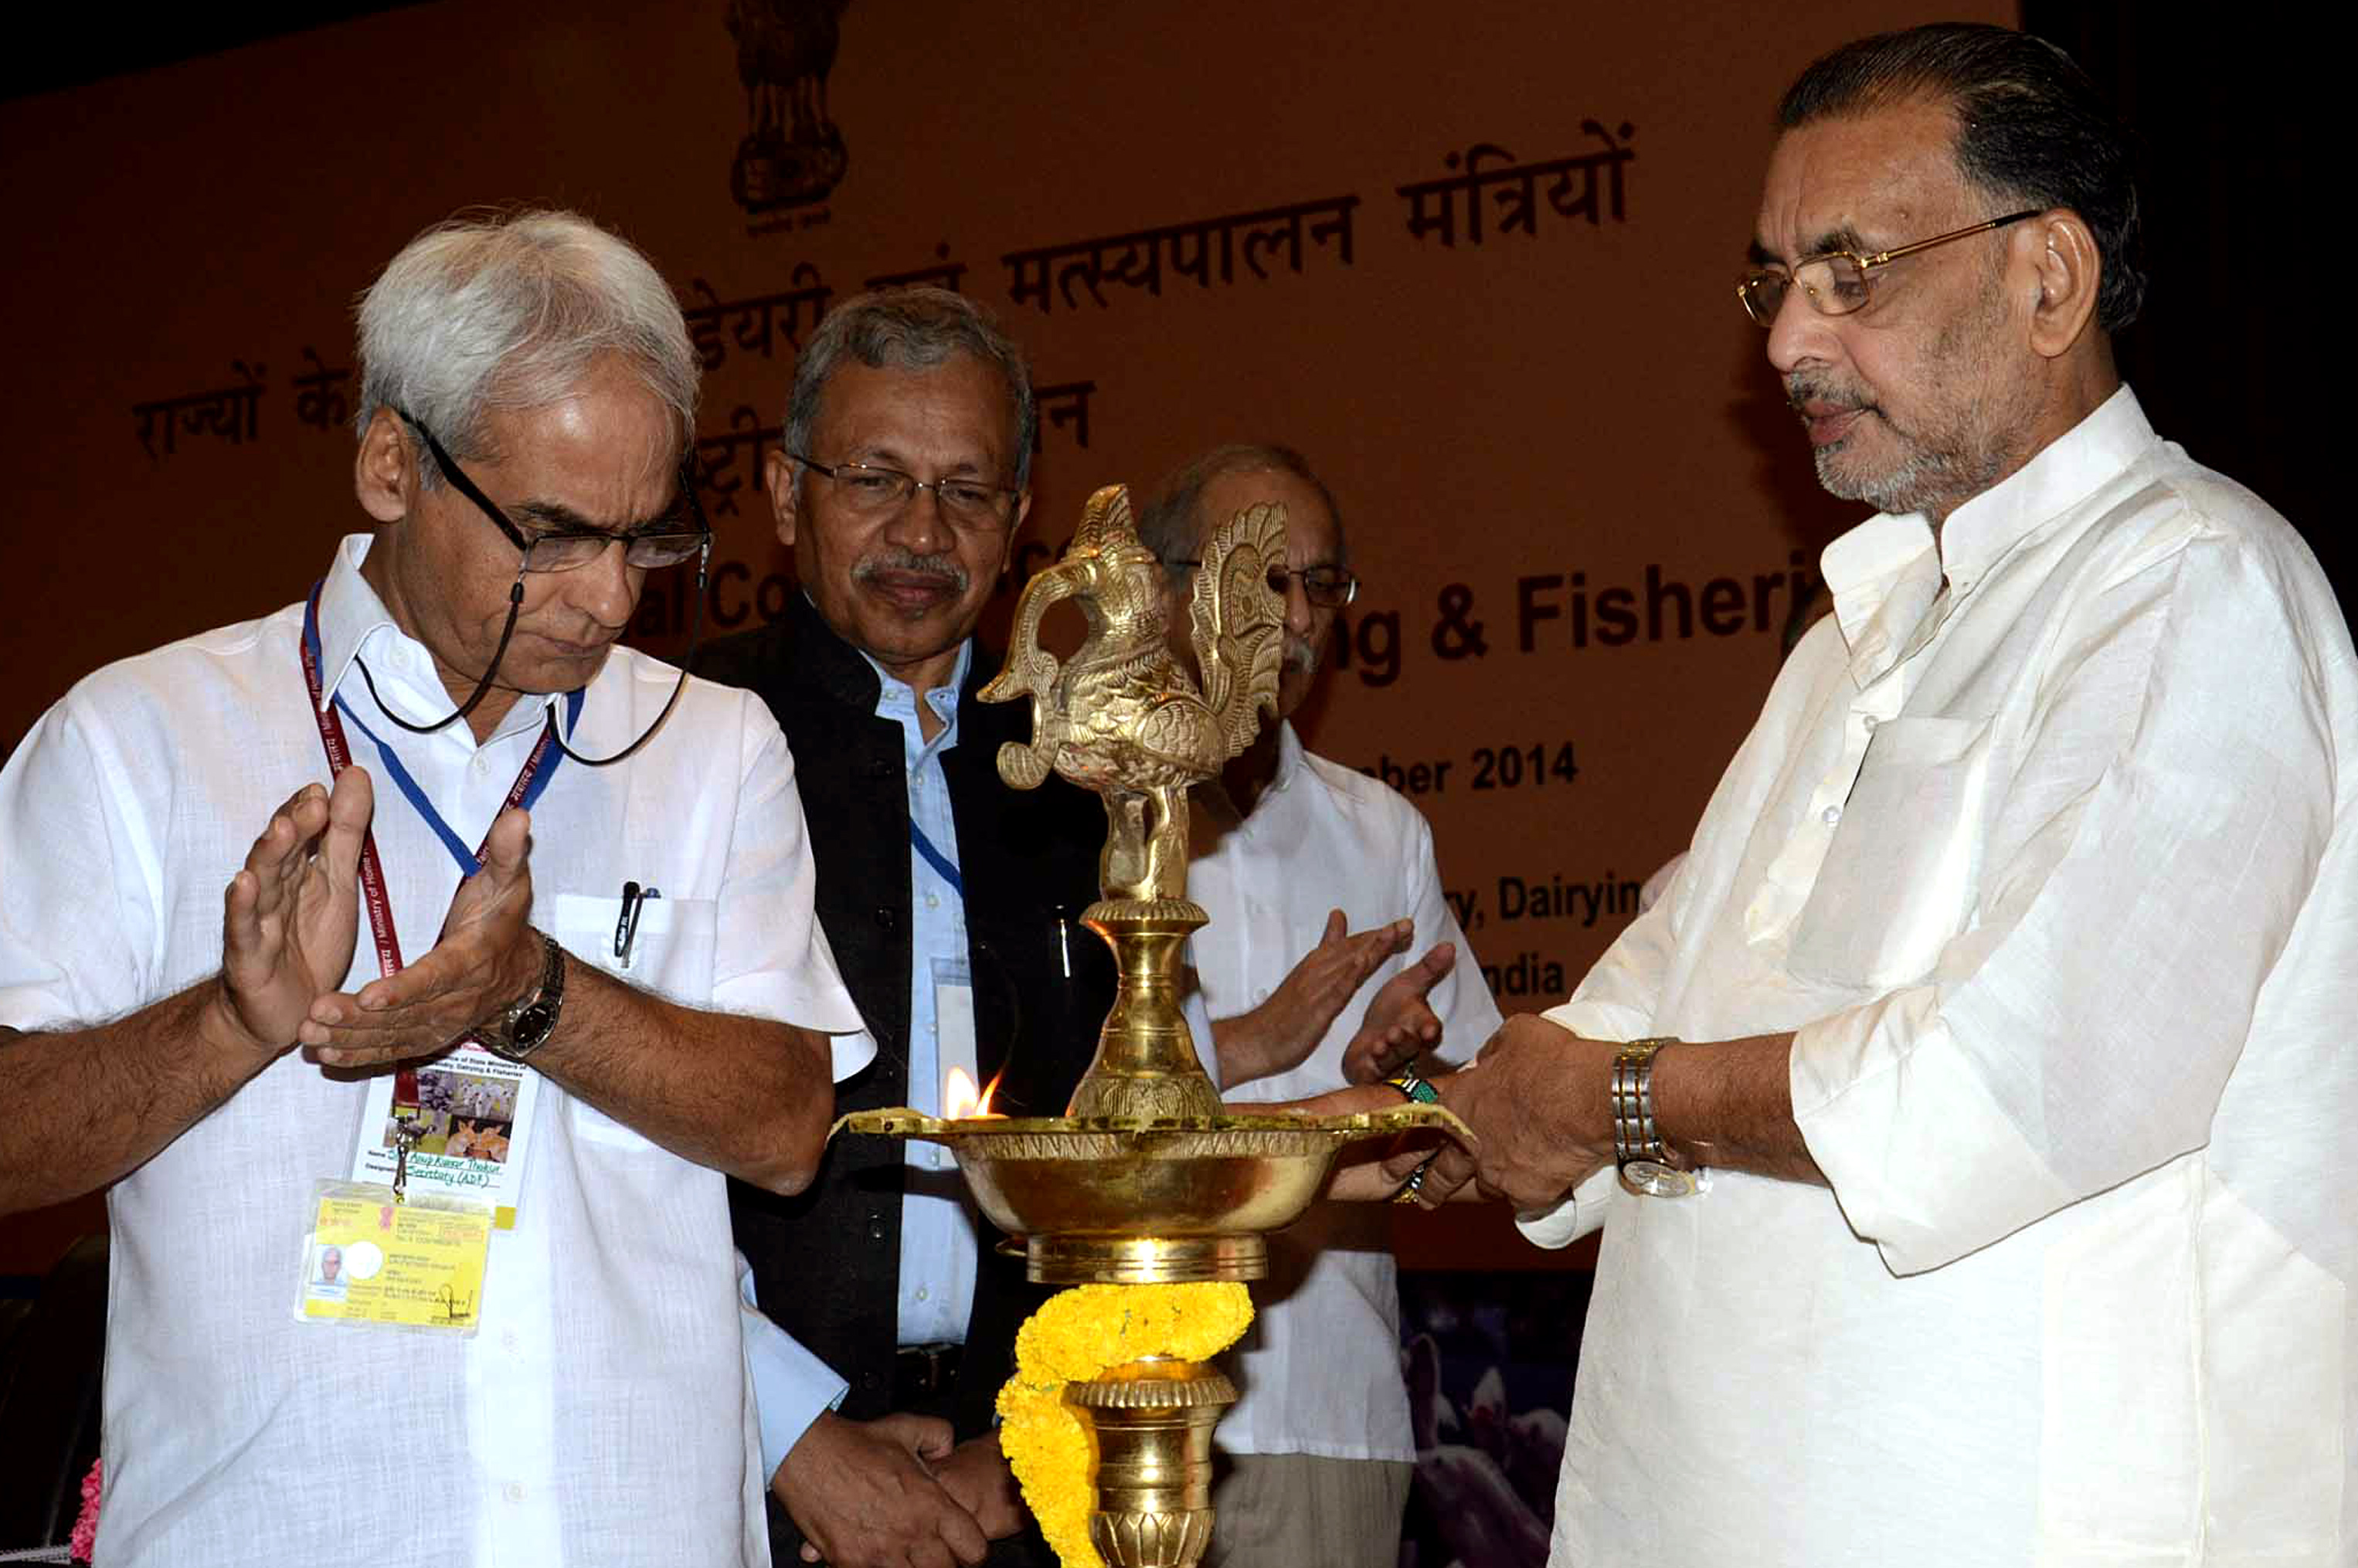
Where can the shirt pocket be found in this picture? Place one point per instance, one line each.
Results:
(671, 954)
(1898, 879)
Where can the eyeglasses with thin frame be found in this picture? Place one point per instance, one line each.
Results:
(1841, 283)
(873, 491)
(568, 549)
(1328, 588)
(563, 551)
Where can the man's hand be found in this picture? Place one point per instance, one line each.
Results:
(291, 914)
(1400, 1025)
(1366, 1175)
(975, 1476)
(487, 956)
(864, 1495)
(1447, 1166)
(1540, 1099)
(1281, 1033)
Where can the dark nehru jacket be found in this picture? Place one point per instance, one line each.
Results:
(827, 1262)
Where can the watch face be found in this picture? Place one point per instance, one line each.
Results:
(532, 1026)
(1653, 1179)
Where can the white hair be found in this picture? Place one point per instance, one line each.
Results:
(479, 314)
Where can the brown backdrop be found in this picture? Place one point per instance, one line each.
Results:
(1579, 510)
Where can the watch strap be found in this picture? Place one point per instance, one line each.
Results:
(1646, 1163)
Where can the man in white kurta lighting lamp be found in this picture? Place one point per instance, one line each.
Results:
(538, 1352)
(1292, 852)
(1969, 1123)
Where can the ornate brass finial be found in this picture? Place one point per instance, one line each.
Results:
(1125, 717)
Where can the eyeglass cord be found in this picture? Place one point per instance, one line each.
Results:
(516, 604)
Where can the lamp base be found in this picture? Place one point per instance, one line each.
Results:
(1151, 1422)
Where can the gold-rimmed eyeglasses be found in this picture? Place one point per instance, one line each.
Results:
(1838, 283)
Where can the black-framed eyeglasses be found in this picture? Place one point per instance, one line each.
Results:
(1840, 283)
(1328, 588)
(873, 491)
(561, 552)
(568, 549)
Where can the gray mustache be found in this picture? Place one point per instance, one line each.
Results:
(906, 562)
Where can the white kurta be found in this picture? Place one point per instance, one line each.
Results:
(602, 1415)
(2056, 874)
(1319, 1370)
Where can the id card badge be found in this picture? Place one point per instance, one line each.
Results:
(952, 1047)
(470, 1115)
(372, 1259)
(954, 1022)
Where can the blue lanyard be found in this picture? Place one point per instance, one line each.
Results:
(534, 778)
(933, 857)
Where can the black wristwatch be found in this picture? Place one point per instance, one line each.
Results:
(524, 1026)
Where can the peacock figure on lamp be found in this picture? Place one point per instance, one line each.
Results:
(1125, 717)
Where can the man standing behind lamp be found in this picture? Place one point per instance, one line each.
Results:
(952, 900)
(1291, 852)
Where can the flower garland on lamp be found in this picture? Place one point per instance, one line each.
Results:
(1074, 1338)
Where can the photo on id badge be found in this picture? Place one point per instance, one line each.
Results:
(334, 1267)
(457, 1114)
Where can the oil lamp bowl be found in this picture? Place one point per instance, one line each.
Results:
(1118, 1200)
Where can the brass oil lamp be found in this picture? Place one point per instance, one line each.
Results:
(1145, 1179)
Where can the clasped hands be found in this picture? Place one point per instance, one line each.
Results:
(896, 1492)
(290, 921)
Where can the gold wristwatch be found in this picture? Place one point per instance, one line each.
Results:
(1648, 1166)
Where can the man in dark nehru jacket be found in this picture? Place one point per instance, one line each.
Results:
(1970, 1124)
(952, 902)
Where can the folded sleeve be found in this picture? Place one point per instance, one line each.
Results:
(773, 959)
(80, 925)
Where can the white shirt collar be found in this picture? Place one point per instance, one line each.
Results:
(1288, 755)
(1884, 574)
(2063, 473)
(353, 622)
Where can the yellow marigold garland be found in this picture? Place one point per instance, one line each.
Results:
(1078, 1334)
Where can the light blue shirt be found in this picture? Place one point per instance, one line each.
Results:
(938, 1246)
(792, 1387)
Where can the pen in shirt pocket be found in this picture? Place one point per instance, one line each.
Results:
(626, 927)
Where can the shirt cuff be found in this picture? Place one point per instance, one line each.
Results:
(792, 1388)
(1924, 1161)
(850, 1051)
(1580, 1211)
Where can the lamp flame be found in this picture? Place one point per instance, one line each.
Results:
(959, 1100)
